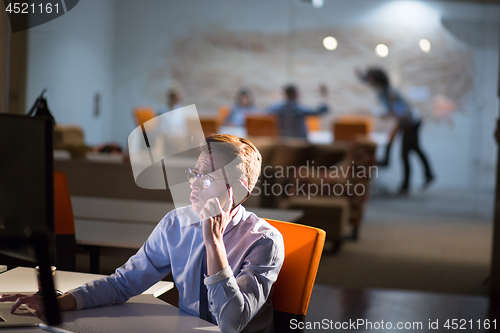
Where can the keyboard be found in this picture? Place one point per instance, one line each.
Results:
(69, 328)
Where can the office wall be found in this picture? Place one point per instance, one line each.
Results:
(146, 44)
(72, 57)
(485, 38)
(3, 62)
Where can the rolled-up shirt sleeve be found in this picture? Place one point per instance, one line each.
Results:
(234, 300)
(149, 265)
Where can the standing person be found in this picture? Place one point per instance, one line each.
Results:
(173, 100)
(408, 123)
(242, 253)
(243, 106)
(291, 114)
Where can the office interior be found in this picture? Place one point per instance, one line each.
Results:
(102, 59)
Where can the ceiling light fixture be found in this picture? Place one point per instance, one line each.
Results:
(425, 45)
(317, 3)
(330, 43)
(382, 50)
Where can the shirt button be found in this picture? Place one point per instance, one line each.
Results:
(211, 303)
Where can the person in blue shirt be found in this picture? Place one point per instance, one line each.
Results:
(408, 123)
(243, 106)
(291, 114)
(173, 100)
(224, 259)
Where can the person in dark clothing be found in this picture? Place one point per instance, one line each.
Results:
(408, 123)
(291, 114)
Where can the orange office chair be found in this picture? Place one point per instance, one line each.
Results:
(292, 290)
(142, 114)
(64, 224)
(313, 123)
(209, 125)
(348, 127)
(222, 114)
(262, 125)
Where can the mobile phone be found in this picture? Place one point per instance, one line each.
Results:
(240, 194)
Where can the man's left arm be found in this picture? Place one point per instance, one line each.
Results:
(234, 300)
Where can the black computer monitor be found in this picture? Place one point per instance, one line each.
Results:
(27, 197)
(26, 179)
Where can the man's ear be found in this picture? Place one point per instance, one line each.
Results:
(245, 182)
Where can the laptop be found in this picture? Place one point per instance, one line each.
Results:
(22, 317)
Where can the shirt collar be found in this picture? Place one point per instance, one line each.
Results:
(236, 219)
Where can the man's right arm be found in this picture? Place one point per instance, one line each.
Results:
(148, 266)
(66, 302)
(322, 109)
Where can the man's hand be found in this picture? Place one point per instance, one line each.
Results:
(215, 219)
(33, 302)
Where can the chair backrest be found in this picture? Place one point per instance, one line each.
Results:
(262, 125)
(313, 123)
(209, 126)
(63, 210)
(64, 223)
(222, 114)
(349, 127)
(143, 114)
(292, 290)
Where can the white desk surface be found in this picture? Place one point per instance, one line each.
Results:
(23, 280)
(143, 313)
(128, 223)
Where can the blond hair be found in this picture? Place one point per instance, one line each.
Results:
(230, 148)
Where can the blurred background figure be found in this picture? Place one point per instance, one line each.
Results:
(408, 121)
(175, 124)
(173, 99)
(291, 114)
(243, 105)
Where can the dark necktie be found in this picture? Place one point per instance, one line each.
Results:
(204, 312)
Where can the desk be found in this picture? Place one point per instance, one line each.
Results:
(143, 313)
(128, 223)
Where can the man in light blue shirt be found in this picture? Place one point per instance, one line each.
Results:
(242, 253)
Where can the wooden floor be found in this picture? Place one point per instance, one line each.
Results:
(330, 306)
